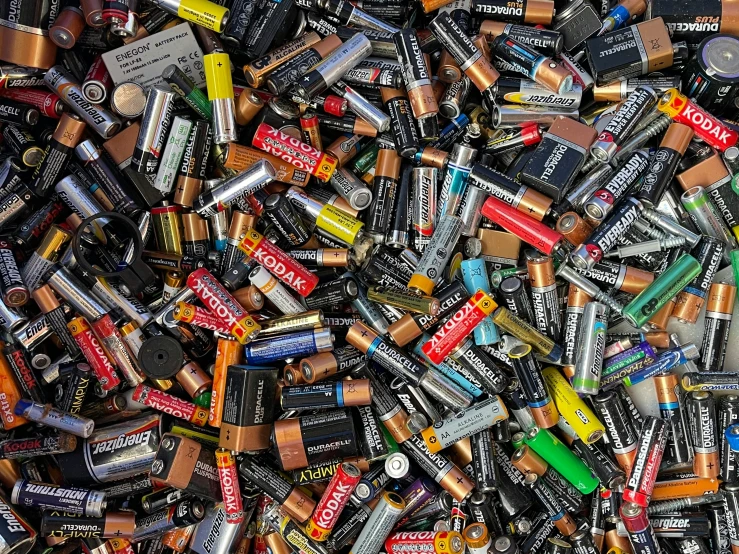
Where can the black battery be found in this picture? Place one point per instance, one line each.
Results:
(694, 21)
(237, 27)
(372, 442)
(332, 293)
(712, 75)
(271, 23)
(557, 160)
(630, 52)
(728, 414)
(186, 464)
(487, 474)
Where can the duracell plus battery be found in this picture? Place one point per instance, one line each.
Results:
(532, 64)
(311, 439)
(184, 463)
(535, 12)
(719, 309)
(66, 137)
(192, 170)
(469, 57)
(557, 160)
(248, 409)
(695, 21)
(549, 43)
(630, 52)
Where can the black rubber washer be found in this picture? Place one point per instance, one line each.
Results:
(161, 357)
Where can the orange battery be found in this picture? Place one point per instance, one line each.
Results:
(229, 352)
(678, 487)
(10, 393)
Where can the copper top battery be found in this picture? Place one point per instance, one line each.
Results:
(573, 228)
(416, 74)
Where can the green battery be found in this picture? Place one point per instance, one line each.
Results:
(517, 440)
(561, 458)
(203, 399)
(366, 160)
(185, 87)
(649, 301)
(499, 275)
(734, 255)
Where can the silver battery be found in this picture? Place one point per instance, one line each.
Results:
(397, 465)
(509, 116)
(215, 535)
(351, 188)
(439, 250)
(470, 211)
(36, 331)
(128, 100)
(446, 391)
(379, 524)
(81, 202)
(368, 310)
(219, 222)
(591, 344)
(455, 97)
(705, 216)
(98, 118)
(172, 156)
(9, 319)
(224, 120)
(366, 110)
(155, 126)
(255, 178)
(81, 298)
(423, 205)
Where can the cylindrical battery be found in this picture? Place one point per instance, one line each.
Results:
(403, 127)
(709, 252)
(537, 397)
(679, 449)
(230, 190)
(602, 201)
(333, 501)
(481, 416)
(545, 302)
(710, 74)
(54, 497)
(532, 64)
(513, 292)
(624, 120)
(430, 267)
(524, 11)
(547, 42)
(516, 195)
(416, 74)
(621, 433)
(387, 172)
(356, 392)
(705, 216)
(664, 165)
(649, 451)
(379, 524)
(423, 205)
(701, 411)
(719, 310)
(487, 473)
(154, 129)
(66, 525)
(591, 343)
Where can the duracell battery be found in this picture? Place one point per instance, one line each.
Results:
(573, 228)
(250, 298)
(630, 52)
(186, 464)
(248, 409)
(237, 157)
(709, 252)
(534, 12)
(248, 105)
(300, 442)
(556, 162)
(547, 42)
(321, 257)
(192, 170)
(282, 78)
(65, 525)
(416, 74)
(695, 21)
(66, 137)
(349, 123)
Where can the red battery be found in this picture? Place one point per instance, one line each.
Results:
(229, 477)
(297, 153)
(165, 402)
(649, 451)
(311, 130)
(334, 498)
(94, 353)
(461, 324)
(120, 546)
(286, 269)
(48, 103)
(224, 306)
(528, 229)
(335, 105)
(436, 542)
(706, 127)
(190, 313)
(97, 82)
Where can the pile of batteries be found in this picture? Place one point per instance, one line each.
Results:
(325, 277)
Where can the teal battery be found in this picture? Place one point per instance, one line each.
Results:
(475, 278)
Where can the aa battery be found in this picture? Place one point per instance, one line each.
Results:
(621, 433)
(537, 397)
(62, 524)
(469, 57)
(54, 497)
(333, 501)
(661, 290)
(719, 309)
(356, 392)
(416, 74)
(24, 145)
(481, 416)
(229, 191)
(186, 88)
(662, 169)
(545, 301)
(186, 512)
(379, 524)
(618, 185)
(58, 152)
(679, 449)
(155, 126)
(701, 412)
(221, 96)
(103, 122)
(329, 70)
(649, 451)
(387, 172)
(524, 11)
(423, 205)
(623, 122)
(46, 414)
(591, 343)
(532, 64)
(436, 255)
(517, 327)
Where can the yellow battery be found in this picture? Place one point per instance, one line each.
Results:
(206, 14)
(571, 407)
(218, 76)
(339, 224)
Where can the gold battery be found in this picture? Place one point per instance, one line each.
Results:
(448, 71)
(573, 228)
(404, 300)
(168, 229)
(250, 298)
(52, 242)
(304, 321)
(571, 407)
(523, 331)
(248, 105)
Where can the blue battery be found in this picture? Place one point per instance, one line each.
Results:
(293, 345)
(475, 389)
(475, 278)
